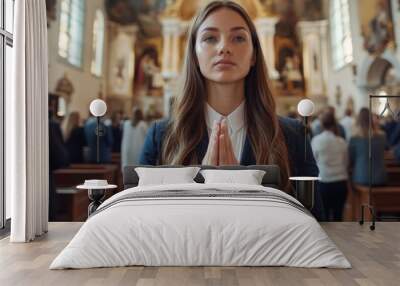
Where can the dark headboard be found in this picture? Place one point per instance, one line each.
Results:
(270, 179)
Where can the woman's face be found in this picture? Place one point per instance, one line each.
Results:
(224, 47)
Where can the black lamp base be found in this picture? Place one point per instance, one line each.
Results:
(305, 193)
(304, 190)
(96, 197)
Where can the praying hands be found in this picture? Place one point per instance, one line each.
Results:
(220, 149)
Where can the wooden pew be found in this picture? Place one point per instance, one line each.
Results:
(71, 203)
(390, 160)
(386, 199)
(393, 175)
(116, 160)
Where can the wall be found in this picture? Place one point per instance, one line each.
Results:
(396, 24)
(344, 77)
(87, 86)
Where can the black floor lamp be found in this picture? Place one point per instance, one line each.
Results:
(98, 108)
(97, 188)
(305, 185)
(305, 108)
(387, 108)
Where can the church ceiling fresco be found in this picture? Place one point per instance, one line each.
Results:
(147, 13)
(144, 13)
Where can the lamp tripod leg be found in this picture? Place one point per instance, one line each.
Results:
(362, 215)
(373, 213)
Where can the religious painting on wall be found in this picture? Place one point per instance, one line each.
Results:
(312, 10)
(143, 13)
(376, 25)
(148, 79)
(136, 65)
(122, 61)
(309, 10)
(288, 60)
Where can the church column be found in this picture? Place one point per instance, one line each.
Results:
(166, 53)
(175, 53)
(172, 31)
(266, 31)
(315, 58)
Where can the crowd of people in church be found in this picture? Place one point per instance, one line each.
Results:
(340, 147)
(75, 140)
(341, 150)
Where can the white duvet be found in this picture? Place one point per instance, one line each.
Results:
(192, 231)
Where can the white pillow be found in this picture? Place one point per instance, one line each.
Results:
(248, 177)
(162, 176)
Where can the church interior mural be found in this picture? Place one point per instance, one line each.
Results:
(144, 43)
(120, 123)
(340, 57)
(377, 26)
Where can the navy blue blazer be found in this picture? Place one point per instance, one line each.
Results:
(292, 129)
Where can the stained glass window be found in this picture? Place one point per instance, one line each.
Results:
(70, 40)
(342, 46)
(98, 43)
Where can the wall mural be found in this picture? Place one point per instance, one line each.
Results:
(147, 80)
(144, 13)
(288, 61)
(376, 25)
(146, 16)
(122, 59)
(310, 10)
(287, 45)
(147, 73)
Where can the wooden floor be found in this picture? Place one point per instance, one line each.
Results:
(374, 255)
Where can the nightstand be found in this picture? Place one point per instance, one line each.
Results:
(96, 192)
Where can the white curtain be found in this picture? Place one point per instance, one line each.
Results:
(27, 124)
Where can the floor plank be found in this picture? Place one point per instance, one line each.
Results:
(374, 255)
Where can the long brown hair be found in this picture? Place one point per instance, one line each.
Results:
(187, 125)
(137, 116)
(72, 122)
(362, 124)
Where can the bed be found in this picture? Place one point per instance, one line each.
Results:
(199, 224)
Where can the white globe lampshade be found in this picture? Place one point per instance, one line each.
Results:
(98, 107)
(305, 107)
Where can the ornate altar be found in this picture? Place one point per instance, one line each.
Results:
(296, 61)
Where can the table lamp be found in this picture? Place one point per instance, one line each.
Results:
(98, 108)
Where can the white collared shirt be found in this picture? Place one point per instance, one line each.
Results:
(236, 126)
(331, 155)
